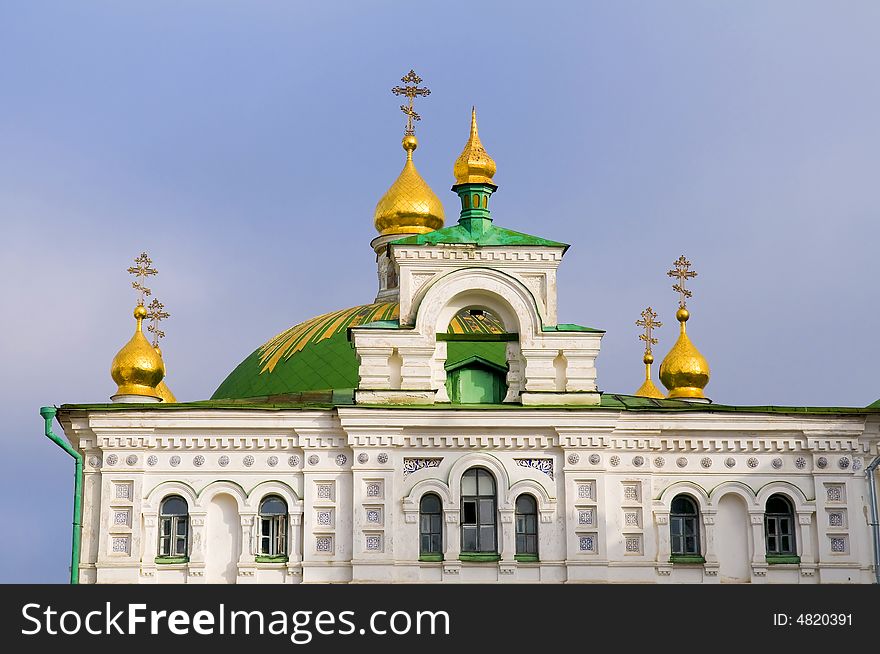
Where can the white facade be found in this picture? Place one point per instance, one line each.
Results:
(352, 479)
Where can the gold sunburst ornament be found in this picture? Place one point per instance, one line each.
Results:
(137, 368)
(409, 206)
(684, 371)
(648, 322)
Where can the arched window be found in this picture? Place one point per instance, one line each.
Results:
(526, 528)
(684, 529)
(430, 528)
(478, 534)
(273, 526)
(173, 527)
(779, 526)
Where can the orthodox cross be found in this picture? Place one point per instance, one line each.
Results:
(648, 322)
(682, 272)
(410, 92)
(141, 269)
(156, 314)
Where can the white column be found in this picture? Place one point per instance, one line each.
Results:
(759, 546)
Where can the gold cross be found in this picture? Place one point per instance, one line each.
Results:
(410, 92)
(156, 314)
(141, 269)
(649, 322)
(683, 273)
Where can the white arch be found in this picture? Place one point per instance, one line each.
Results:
(534, 488)
(687, 488)
(274, 487)
(735, 487)
(170, 487)
(432, 485)
(480, 460)
(505, 296)
(794, 494)
(223, 486)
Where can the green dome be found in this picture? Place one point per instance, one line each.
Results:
(316, 355)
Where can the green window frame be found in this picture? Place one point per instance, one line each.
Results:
(526, 528)
(273, 527)
(779, 531)
(174, 528)
(430, 528)
(479, 510)
(684, 526)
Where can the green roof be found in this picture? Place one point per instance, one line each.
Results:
(457, 234)
(570, 327)
(317, 355)
(344, 397)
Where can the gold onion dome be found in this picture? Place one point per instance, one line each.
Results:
(162, 389)
(474, 165)
(684, 371)
(409, 206)
(137, 368)
(648, 389)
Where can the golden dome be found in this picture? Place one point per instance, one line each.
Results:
(647, 389)
(162, 389)
(474, 165)
(409, 206)
(137, 369)
(684, 371)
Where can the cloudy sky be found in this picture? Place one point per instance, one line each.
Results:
(244, 146)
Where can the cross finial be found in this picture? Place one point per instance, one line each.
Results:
(142, 269)
(682, 272)
(649, 322)
(411, 90)
(156, 314)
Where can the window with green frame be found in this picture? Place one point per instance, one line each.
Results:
(478, 512)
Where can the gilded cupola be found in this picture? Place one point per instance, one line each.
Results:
(409, 206)
(648, 322)
(684, 371)
(137, 368)
(474, 165)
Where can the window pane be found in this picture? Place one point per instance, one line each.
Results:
(164, 546)
(469, 509)
(430, 503)
(174, 505)
(181, 546)
(273, 505)
(486, 483)
(425, 544)
(677, 545)
(525, 504)
(487, 539)
(487, 512)
(166, 526)
(436, 524)
(436, 544)
(531, 545)
(690, 526)
(690, 545)
(181, 527)
(469, 483)
(425, 523)
(520, 544)
(469, 539)
(675, 527)
(778, 504)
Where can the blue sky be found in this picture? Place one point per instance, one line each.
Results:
(244, 146)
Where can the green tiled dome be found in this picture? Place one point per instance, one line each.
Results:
(316, 354)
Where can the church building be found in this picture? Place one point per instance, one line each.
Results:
(452, 430)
